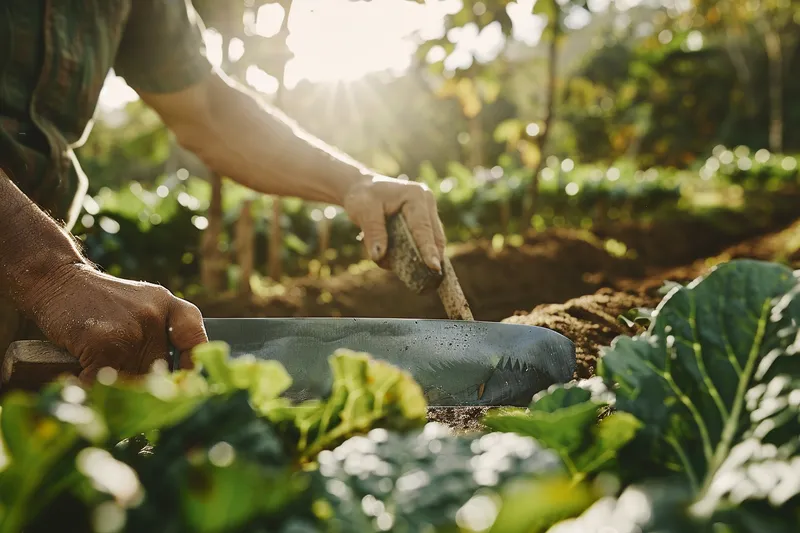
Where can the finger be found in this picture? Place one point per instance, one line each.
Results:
(373, 223)
(439, 237)
(185, 326)
(419, 222)
(89, 374)
(186, 363)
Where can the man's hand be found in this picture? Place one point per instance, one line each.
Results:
(100, 319)
(109, 322)
(370, 201)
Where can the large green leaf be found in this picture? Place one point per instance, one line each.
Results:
(533, 505)
(712, 381)
(159, 400)
(420, 480)
(564, 418)
(194, 454)
(220, 498)
(36, 446)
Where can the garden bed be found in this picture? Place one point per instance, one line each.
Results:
(550, 267)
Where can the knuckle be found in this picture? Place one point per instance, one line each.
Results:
(189, 310)
(162, 292)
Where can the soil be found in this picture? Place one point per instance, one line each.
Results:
(561, 279)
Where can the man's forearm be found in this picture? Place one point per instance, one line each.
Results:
(259, 147)
(32, 245)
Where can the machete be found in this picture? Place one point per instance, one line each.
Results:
(456, 362)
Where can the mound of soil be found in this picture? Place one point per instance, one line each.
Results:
(551, 267)
(589, 321)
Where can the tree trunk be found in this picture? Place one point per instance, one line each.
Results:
(244, 247)
(772, 40)
(324, 233)
(212, 265)
(552, 66)
(275, 243)
(476, 144)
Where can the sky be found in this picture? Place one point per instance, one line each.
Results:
(340, 41)
(373, 36)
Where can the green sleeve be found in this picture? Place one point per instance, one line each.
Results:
(162, 49)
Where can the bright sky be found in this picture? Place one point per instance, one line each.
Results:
(340, 41)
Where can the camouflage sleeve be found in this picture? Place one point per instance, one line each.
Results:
(162, 47)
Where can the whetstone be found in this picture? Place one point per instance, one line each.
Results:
(406, 262)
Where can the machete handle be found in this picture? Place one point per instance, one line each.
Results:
(405, 259)
(28, 365)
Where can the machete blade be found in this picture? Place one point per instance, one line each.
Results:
(455, 362)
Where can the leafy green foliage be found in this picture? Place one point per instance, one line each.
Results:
(691, 426)
(365, 394)
(687, 377)
(710, 382)
(564, 418)
(421, 480)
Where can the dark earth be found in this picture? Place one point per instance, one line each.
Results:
(560, 279)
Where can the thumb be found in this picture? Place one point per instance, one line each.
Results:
(186, 330)
(373, 223)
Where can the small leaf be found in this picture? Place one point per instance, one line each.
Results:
(535, 505)
(221, 498)
(266, 380)
(509, 131)
(564, 418)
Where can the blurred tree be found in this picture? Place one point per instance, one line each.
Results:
(777, 24)
(278, 58)
(477, 80)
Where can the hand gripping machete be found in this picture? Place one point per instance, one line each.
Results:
(456, 362)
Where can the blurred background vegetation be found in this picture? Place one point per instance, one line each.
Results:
(521, 115)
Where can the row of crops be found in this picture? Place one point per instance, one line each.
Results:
(133, 231)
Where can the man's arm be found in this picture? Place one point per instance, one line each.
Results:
(32, 246)
(99, 319)
(236, 133)
(239, 136)
(162, 57)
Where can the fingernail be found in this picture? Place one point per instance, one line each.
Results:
(376, 252)
(437, 265)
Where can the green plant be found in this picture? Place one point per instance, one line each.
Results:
(697, 432)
